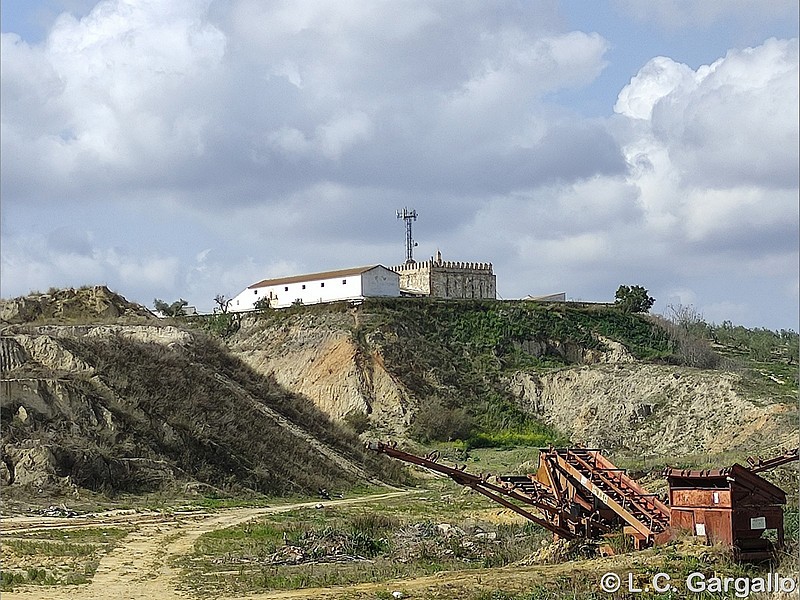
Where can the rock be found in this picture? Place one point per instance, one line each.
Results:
(71, 304)
(12, 355)
(643, 409)
(34, 464)
(320, 358)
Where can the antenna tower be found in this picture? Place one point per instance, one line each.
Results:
(408, 216)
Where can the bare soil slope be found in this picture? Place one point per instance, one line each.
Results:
(598, 377)
(136, 408)
(657, 409)
(320, 356)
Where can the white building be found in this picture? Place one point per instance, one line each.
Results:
(330, 286)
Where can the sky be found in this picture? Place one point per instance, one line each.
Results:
(190, 148)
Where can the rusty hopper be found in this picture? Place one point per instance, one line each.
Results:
(732, 506)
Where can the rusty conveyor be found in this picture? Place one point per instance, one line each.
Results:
(598, 486)
(759, 465)
(576, 491)
(482, 485)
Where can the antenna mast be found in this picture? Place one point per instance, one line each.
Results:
(408, 216)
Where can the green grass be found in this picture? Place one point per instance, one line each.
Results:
(56, 557)
(759, 379)
(100, 535)
(48, 548)
(393, 538)
(511, 439)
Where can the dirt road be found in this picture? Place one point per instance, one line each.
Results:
(139, 567)
(465, 583)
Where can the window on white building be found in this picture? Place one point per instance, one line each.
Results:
(322, 284)
(344, 281)
(286, 288)
(255, 291)
(304, 286)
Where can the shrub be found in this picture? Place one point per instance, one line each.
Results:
(689, 333)
(170, 310)
(358, 421)
(222, 324)
(633, 299)
(437, 423)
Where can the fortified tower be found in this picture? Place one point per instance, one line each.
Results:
(447, 279)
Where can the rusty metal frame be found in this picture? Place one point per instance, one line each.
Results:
(564, 480)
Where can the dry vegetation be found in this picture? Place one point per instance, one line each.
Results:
(56, 556)
(150, 415)
(192, 413)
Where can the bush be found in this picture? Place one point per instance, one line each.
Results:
(358, 421)
(688, 333)
(633, 299)
(690, 350)
(262, 305)
(437, 423)
(170, 310)
(222, 324)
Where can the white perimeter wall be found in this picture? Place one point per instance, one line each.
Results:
(375, 282)
(380, 281)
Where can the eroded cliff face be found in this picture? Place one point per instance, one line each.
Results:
(654, 409)
(323, 359)
(143, 407)
(606, 399)
(57, 415)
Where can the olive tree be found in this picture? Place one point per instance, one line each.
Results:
(170, 310)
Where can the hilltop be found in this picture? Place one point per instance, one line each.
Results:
(494, 373)
(85, 304)
(114, 407)
(100, 395)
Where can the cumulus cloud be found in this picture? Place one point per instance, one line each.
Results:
(694, 205)
(724, 136)
(107, 97)
(65, 257)
(241, 140)
(683, 14)
(714, 153)
(159, 95)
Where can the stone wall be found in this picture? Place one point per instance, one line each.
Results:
(448, 279)
(415, 277)
(463, 280)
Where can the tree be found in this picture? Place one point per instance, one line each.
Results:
(222, 303)
(170, 310)
(633, 299)
(263, 304)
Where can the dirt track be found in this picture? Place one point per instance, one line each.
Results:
(139, 567)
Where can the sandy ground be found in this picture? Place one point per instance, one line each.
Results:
(139, 567)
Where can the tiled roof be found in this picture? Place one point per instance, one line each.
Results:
(314, 276)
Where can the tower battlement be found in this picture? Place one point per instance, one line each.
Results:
(448, 279)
